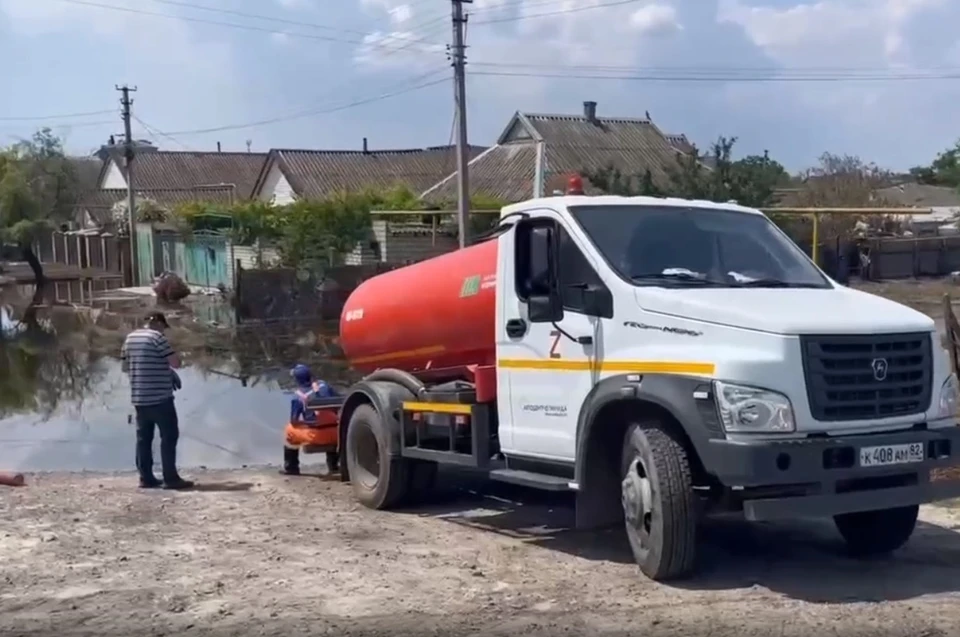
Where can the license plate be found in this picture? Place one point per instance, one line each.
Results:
(891, 454)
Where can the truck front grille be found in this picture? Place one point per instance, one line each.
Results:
(867, 376)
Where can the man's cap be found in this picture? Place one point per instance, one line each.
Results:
(157, 317)
(302, 374)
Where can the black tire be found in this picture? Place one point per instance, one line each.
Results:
(875, 533)
(422, 475)
(663, 536)
(379, 480)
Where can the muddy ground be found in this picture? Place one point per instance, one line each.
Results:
(258, 553)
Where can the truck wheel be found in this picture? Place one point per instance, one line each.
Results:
(872, 533)
(379, 480)
(659, 503)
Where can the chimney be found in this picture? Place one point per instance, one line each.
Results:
(218, 147)
(590, 111)
(365, 148)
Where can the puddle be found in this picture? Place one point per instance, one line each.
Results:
(65, 402)
(222, 425)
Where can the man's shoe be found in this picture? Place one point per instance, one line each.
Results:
(178, 485)
(290, 471)
(150, 484)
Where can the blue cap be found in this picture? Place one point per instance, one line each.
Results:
(302, 374)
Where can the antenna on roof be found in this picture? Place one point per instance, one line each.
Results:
(249, 144)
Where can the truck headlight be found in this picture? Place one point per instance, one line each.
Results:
(752, 410)
(949, 397)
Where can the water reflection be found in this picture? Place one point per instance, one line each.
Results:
(64, 401)
(222, 425)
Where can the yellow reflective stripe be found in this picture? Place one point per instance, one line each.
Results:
(439, 408)
(627, 367)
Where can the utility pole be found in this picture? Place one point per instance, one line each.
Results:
(460, 99)
(128, 155)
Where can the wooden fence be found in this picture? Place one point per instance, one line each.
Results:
(91, 263)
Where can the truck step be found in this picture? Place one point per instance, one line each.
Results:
(530, 479)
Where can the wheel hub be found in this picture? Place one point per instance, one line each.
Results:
(636, 495)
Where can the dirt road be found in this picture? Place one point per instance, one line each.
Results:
(257, 553)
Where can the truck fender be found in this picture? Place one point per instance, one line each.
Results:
(386, 397)
(672, 393)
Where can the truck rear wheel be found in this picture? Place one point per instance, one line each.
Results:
(658, 501)
(872, 533)
(379, 480)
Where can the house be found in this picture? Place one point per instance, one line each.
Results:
(570, 144)
(183, 170)
(944, 203)
(289, 174)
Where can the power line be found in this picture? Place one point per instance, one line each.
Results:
(652, 77)
(832, 71)
(322, 111)
(245, 27)
(234, 25)
(528, 16)
(32, 118)
(156, 131)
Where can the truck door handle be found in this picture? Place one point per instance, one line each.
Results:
(516, 328)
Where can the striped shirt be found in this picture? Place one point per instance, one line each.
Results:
(146, 353)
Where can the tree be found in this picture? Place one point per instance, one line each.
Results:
(942, 171)
(38, 187)
(750, 181)
(841, 181)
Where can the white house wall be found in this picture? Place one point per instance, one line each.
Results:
(276, 189)
(113, 177)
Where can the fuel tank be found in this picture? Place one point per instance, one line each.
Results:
(434, 314)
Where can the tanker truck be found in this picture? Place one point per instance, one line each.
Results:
(664, 360)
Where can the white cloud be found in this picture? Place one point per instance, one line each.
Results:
(655, 19)
(847, 30)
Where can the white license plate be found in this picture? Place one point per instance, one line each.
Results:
(891, 454)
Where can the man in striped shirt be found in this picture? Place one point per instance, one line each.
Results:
(149, 361)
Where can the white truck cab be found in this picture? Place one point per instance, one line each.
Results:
(665, 359)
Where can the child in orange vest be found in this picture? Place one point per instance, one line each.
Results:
(305, 427)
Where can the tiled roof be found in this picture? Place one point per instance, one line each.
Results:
(571, 144)
(185, 170)
(317, 173)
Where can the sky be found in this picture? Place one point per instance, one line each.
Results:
(327, 73)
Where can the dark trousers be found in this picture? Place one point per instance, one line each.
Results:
(162, 416)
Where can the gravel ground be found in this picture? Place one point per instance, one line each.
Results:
(256, 552)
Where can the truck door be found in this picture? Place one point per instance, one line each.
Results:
(550, 365)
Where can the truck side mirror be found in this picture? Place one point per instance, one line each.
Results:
(538, 269)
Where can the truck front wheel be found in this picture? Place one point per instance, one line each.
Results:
(872, 533)
(379, 480)
(658, 501)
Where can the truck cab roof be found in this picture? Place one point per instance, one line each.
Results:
(563, 201)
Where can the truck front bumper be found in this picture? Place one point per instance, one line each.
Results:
(822, 477)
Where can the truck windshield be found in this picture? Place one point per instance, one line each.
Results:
(676, 246)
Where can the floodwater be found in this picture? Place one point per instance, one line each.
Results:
(222, 425)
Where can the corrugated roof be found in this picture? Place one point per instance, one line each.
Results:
(168, 169)
(571, 144)
(318, 173)
(921, 195)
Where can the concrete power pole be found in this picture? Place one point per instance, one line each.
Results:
(128, 155)
(460, 98)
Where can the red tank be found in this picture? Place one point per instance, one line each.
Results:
(431, 315)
